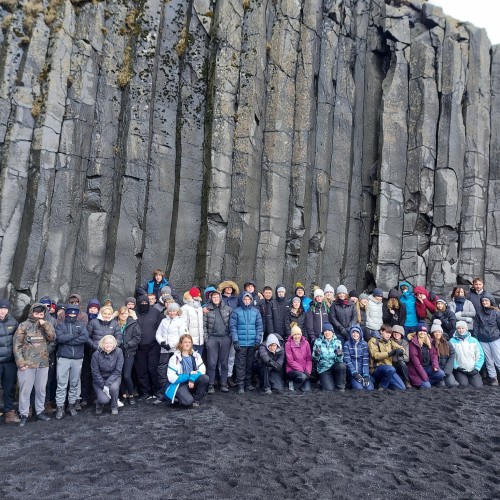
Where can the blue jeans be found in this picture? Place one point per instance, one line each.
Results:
(360, 387)
(434, 377)
(387, 378)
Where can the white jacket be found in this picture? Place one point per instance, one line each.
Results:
(192, 313)
(170, 331)
(374, 314)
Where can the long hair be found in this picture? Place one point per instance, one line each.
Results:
(181, 338)
(120, 312)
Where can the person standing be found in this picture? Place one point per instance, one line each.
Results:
(374, 312)
(462, 308)
(31, 353)
(8, 369)
(316, 317)
(192, 312)
(343, 314)
(477, 292)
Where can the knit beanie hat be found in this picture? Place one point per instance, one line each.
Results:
(5, 304)
(173, 306)
(393, 294)
(422, 327)
(295, 330)
(377, 292)
(398, 329)
(130, 299)
(45, 300)
(441, 300)
(165, 289)
(341, 289)
(363, 296)
(194, 292)
(354, 293)
(296, 299)
(329, 288)
(462, 324)
(318, 292)
(281, 289)
(436, 326)
(328, 327)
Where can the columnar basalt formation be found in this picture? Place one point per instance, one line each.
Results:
(323, 141)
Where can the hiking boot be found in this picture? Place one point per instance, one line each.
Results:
(132, 401)
(211, 389)
(23, 420)
(268, 390)
(231, 382)
(240, 391)
(224, 388)
(11, 417)
(72, 410)
(494, 381)
(98, 409)
(43, 417)
(83, 402)
(48, 408)
(78, 406)
(114, 411)
(59, 413)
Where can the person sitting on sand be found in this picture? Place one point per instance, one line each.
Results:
(329, 356)
(423, 366)
(382, 348)
(357, 360)
(298, 360)
(186, 374)
(445, 352)
(271, 359)
(469, 357)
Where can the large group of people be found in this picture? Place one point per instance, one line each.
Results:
(160, 348)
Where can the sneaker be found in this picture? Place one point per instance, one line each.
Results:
(231, 382)
(250, 388)
(72, 410)
(78, 406)
(240, 391)
(151, 399)
(291, 386)
(23, 420)
(195, 404)
(132, 401)
(494, 381)
(43, 417)
(120, 404)
(211, 389)
(114, 411)
(407, 384)
(12, 418)
(98, 409)
(224, 388)
(267, 390)
(59, 413)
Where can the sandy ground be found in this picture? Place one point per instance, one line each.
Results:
(419, 444)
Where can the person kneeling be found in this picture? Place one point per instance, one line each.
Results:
(186, 374)
(357, 360)
(107, 365)
(328, 354)
(271, 362)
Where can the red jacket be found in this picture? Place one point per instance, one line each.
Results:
(426, 305)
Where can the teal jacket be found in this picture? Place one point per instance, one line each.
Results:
(324, 352)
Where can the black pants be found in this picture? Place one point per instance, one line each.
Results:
(300, 380)
(87, 386)
(127, 386)
(218, 352)
(402, 370)
(8, 372)
(50, 390)
(163, 373)
(146, 366)
(243, 362)
(334, 377)
(269, 377)
(187, 396)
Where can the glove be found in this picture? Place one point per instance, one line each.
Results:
(105, 389)
(358, 378)
(339, 351)
(366, 381)
(462, 370)
(393, 352)
(400, 352)
(236, 346)
(473, 372)
(317, 351)
(256, 347)
(165, 346)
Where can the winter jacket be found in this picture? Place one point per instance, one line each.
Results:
(98, 328)
(232, 300)
(487, 324)
(267, 357)
(280, 314)
(416, 368)
(405, 357)
(398, 318)
(71, 339)
(292, 317)
(245, 325)
(7, 329)
(106, 367)
(324, 352)
(379, 351)
(152, 286)
(467, 314)
(31, 342)
(468, 352)
(446, 363)
(316, 317)
(169, 333)
(426, 308)
(475, 298)
(373, 314)
(192, 313)
(448, 321)
(209, 319)
(357, 354)
(148, 323)
(268, 310)
(176, 377)
(409, 301)
(343, 315)
(131, 337)
(298, 357)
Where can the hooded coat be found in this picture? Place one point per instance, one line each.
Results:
(487, 324)
(298, 357)
(427, 307)
(31, 341)
(98, 328)
(356, 354)
(245, 324)
(71, 337)
(232, 300)
(469, 354)
(209, 318)
(267, 357)
(316, 317)
(475, 298)
(398, 317)
(176, 376)
(280, 314)
(131, 337)
(416, 364)
(467, 314)
(169, 333)
(148, 319)
(448, 320)
(374, 314)
(192, 313)
(409, 301)
(324, 352)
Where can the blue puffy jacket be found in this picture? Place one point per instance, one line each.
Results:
(409, 300)
(357, 354)
(245, 324)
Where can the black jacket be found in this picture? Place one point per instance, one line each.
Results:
(316, 317)
(342, 317)
(149, 323)
(98, 328)
(266, 357)
(131, 337)
(487, 324)
(448, 321)
(71, 339)
(7, 329)
(106, 368)
(398, 318)
(291, 317)
(209, 318)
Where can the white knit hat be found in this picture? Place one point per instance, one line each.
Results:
(436, 326)
(318, 292)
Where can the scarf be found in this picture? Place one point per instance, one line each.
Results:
(459, 304)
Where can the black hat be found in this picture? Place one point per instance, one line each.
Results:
(5, 304)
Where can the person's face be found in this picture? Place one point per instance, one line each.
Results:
(130, 305)
(319, 298)
(108, 345)
(3, 313)
(296, 337)
(328, 334)
(106, 315)
(404, 289)
(440, 306)
(268, 294)
(486, 302)
(172, 314)
(420, 296)
(215, 299)
(158, 278)
(342, 296)
(228, 290)
(364, 302)
(249, 288)
(355, 335)
(461, 330)
(459, 292)
(438, 334)
(247, 300)
(386, 334)
(422, 334)
(354, 299)
(123, 316)
(39, 312)
(186, 345)
(75, 301)
(478, 285)
(273, 347)
(152, 300)
(296, 304)
(378, 299)
(329, 295)
(281, 294)
(300, 292)
(93, 310)
(396, 335)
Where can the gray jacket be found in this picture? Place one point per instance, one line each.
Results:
(466, 315)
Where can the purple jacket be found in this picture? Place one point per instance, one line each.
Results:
(298, 357)
(416, 370)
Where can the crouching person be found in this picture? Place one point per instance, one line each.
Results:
(446, 354)
(357, 360)
(186, 374)
(271, 361)
(298, 360)
(469, 357)
(107, 365)
(71, 337)
(328, 354)
(400, 359)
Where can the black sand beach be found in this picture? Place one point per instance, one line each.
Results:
(433, 444)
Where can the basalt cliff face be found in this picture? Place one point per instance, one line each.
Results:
(281, 140)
